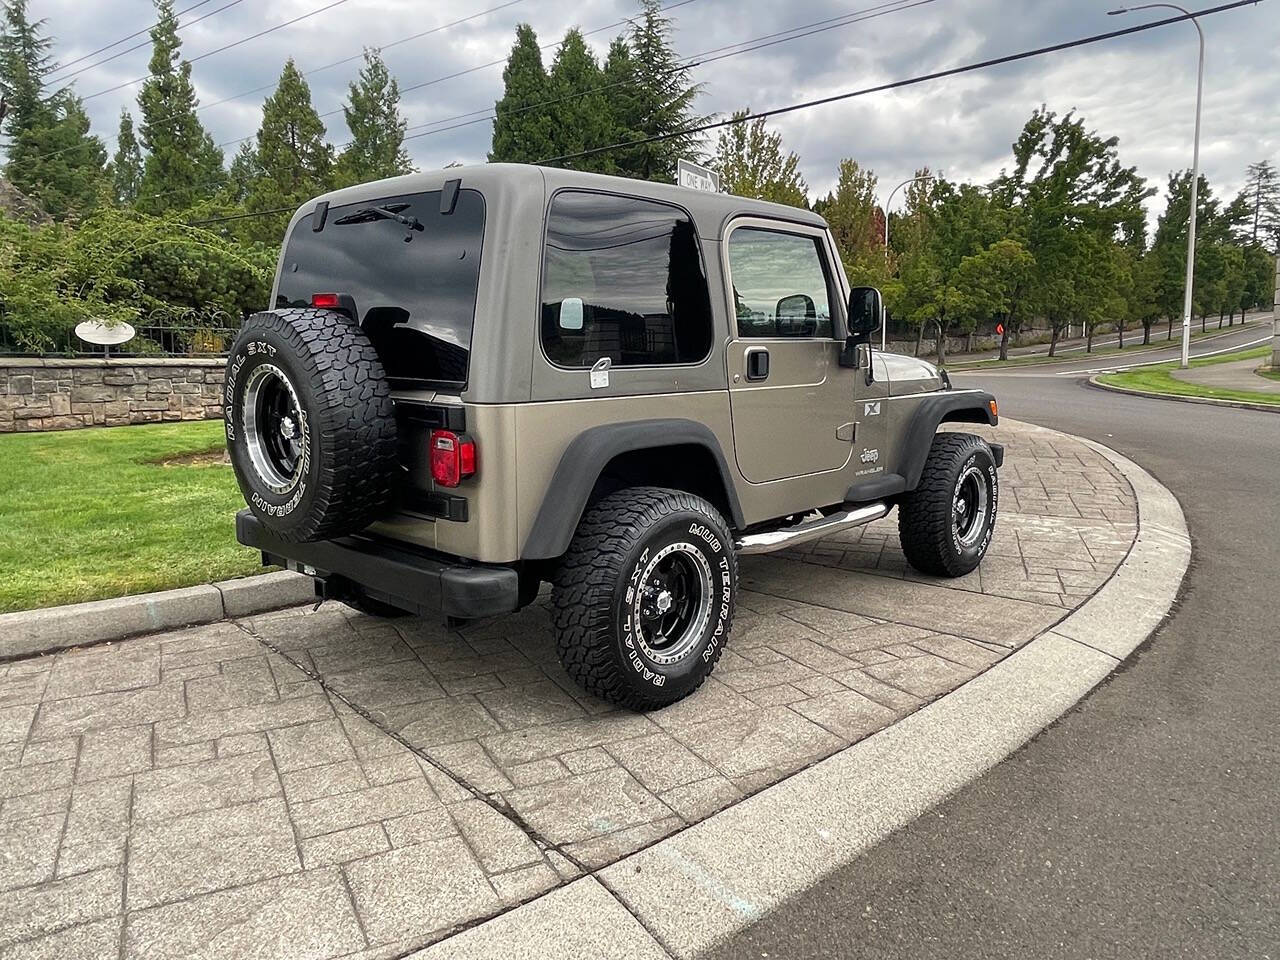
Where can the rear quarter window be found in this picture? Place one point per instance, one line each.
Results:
(414, 290)
(622, 278)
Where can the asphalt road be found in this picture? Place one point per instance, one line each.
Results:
(1146, 822)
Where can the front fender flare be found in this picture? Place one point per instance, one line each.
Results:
(586, 457)
(948, 406)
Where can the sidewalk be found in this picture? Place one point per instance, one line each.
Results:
(323, 784)
(1237, 375)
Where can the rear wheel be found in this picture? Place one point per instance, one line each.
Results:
(643, 600)
(945, 525)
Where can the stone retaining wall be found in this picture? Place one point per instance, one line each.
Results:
(66, 394)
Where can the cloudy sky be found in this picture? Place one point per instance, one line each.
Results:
(1139, 88)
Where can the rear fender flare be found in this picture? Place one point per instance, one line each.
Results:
(585, 459)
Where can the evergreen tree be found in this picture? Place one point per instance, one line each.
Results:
(377, 129)
(244, 170)
(751, 163)
(24, 65)
(1262, 190)
(522, 130)
(126, 166)
(662, 102)
(183, 166)
(578, 106)
(51, 156)
(621, 96)
(292, 158)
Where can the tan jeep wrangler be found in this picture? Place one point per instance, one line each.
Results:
(480, 379)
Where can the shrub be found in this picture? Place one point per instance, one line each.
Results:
(120, 265)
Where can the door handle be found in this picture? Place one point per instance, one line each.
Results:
(758, 364)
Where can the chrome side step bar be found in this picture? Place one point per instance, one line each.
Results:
(813, 530)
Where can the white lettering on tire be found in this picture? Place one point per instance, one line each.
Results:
(722, 609)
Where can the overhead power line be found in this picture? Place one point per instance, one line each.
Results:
(821, 101)
(144, 43)
(897, 84)
(242, 216)
(227, 46)
(305, 73)
(469, 70)
(696, 60)
(356, 56)
(115, 43)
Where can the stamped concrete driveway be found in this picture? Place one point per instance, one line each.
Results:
(322, 784)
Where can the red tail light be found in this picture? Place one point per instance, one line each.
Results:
(326, 301)
(453, 457)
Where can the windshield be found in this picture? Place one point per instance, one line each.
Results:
(411, 271)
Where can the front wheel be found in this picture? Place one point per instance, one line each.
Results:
(945, 524)
(643, 600)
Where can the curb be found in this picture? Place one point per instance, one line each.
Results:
(28, 633)
(698, 887)
(1212, 401)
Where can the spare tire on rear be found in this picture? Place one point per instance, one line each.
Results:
(310, 424)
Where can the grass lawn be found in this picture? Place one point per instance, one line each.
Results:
(1270, 373)
(104, 512)
(1158, 379)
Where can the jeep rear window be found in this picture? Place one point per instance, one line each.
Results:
(622, 278)
(414, 290)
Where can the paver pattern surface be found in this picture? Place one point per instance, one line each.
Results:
(317, 783)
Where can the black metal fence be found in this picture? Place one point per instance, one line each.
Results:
(163, 332)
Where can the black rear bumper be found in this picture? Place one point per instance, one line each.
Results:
(364, 566)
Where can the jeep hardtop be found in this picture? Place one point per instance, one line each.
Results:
(477, 380)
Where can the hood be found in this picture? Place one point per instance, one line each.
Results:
(910, 374)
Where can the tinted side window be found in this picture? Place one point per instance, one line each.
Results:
(414, 290)
(780, 286)
(622, 278)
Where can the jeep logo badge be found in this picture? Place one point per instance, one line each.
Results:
(871, 409)
(869, 456)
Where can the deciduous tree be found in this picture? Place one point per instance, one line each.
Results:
(853, 214)
(752, 163)
(1069, 197)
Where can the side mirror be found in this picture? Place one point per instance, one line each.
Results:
(866, 312)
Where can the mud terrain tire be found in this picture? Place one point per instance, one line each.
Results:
(642, 602)
(946, 523)
(310, 424)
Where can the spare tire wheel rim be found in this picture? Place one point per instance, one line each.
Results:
(673, 605)
(275, 429)
(970, 507)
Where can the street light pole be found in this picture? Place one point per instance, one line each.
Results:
(1195, 174)
(884, 322)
